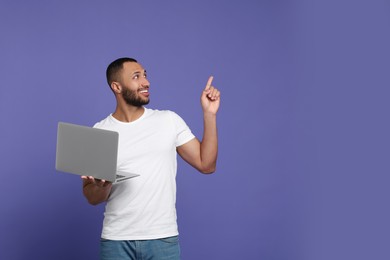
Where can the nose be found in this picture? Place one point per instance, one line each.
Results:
(145, 82)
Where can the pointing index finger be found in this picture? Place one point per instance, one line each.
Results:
(208, 85)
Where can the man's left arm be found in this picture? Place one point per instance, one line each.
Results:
(202, 155)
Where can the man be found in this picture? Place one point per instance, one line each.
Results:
(140, 215)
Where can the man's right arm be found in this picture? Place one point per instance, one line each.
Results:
(96, 191)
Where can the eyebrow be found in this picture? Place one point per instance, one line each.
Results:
(138, 72)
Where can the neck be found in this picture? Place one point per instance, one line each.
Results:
(128, 113)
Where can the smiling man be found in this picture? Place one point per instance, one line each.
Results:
(140, 215)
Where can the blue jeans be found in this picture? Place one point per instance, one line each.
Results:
(156, 249)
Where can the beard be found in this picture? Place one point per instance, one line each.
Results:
(131, 98)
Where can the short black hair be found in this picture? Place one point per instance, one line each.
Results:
(112, 72)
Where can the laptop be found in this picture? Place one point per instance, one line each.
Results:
(89, 151)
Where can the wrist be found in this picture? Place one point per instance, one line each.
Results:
(210, 115)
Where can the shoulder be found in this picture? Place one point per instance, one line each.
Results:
(106, 122)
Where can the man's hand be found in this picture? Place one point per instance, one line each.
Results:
(210, 98)
(96, 182)
(96, 191)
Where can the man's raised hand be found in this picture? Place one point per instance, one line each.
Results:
(210, 98)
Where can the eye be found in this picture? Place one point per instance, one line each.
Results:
(136, 76)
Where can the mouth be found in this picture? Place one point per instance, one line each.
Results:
(144, 92)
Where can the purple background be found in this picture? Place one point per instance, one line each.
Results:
(304, 123)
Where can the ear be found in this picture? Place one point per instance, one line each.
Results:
(116, 87)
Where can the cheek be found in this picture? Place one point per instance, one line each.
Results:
(133, 85)
(130, 86)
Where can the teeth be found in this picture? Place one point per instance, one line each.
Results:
(144, 91)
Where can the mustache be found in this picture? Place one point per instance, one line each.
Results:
(143, 88)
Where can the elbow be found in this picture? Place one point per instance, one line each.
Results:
(208, 170)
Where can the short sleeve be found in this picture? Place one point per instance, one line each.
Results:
(182, 131)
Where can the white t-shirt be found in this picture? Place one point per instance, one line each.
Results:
(144, 207)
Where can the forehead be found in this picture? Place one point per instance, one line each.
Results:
(132, 67)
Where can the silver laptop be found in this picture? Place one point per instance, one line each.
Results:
(89, 151)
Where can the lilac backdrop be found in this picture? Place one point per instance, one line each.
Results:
(304, 147)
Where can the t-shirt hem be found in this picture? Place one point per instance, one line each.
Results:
(148, 237)
(189, 138)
